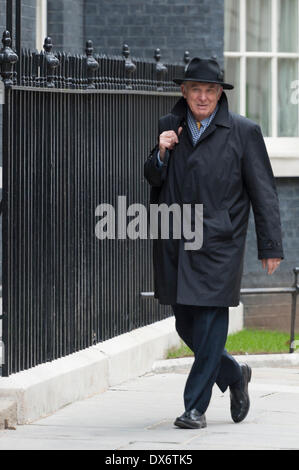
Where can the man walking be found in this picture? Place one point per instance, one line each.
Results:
(208, 155)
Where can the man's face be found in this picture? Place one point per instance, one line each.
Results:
(201, 97)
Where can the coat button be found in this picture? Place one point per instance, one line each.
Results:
(269, 244)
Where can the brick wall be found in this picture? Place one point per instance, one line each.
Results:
(2, 17)
(174, 26)
(66, 25)
(28, 22)
(273, 311)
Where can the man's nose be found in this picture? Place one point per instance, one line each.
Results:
(202, 96)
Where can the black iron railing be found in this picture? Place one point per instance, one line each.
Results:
(76, 132)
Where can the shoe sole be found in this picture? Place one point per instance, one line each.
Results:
(248, 376)
(249, 371)
(183, 425)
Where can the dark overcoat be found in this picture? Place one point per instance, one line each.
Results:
(226, 171)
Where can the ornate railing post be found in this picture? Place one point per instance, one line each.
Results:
(91, 64)
(130, 67)
(7, 60)
(51, 62)
(160, 69)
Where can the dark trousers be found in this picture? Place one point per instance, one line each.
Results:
(204, 330)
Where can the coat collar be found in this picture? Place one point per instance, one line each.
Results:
(221, 118)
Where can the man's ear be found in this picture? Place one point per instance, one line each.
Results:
(220, 91)
(183, 90)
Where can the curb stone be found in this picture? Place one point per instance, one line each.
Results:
(256, 360)
(8, 414)
(42, 390)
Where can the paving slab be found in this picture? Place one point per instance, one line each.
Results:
(139, 415)
(8, 414)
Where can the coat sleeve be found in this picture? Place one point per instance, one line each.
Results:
(260, 184)
(154, 173)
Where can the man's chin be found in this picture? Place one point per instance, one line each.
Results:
(201, 114)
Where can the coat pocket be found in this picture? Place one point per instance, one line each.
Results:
(218, 225)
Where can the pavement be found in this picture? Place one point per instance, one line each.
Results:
(139, 415)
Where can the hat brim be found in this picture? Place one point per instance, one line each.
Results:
(226, 86)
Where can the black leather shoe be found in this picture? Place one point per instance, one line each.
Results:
(191, 420)
(240, 403)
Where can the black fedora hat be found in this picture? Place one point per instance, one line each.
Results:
(204, 70)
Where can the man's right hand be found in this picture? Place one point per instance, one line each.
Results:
(167, 140)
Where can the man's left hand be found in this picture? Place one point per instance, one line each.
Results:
(271, 264)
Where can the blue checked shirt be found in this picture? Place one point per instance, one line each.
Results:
(195, 132)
